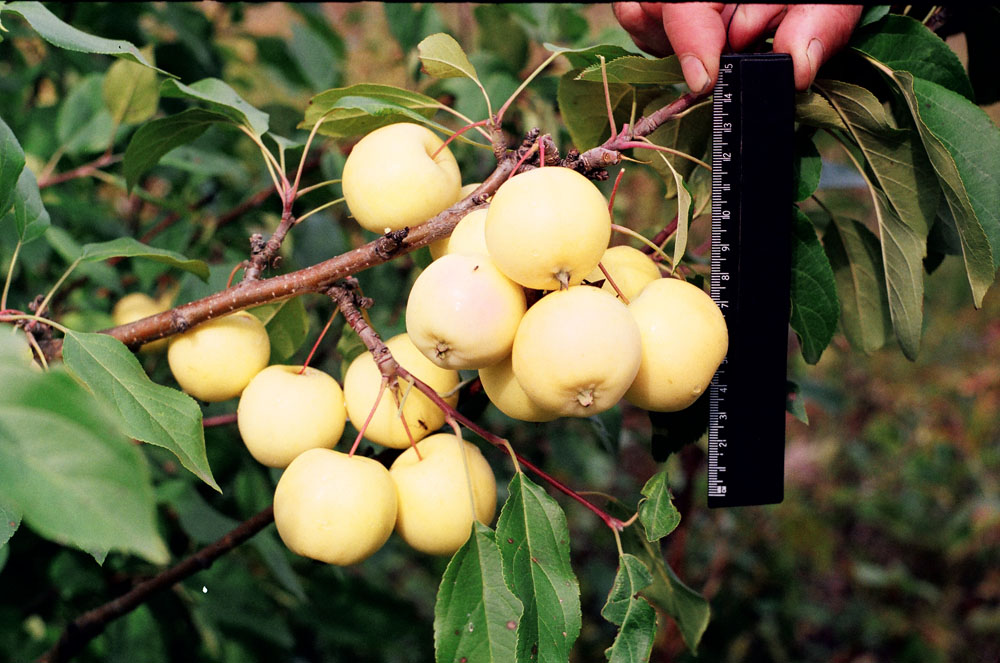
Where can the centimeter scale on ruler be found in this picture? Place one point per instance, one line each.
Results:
(752, 179)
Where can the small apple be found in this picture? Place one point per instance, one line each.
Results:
(630, 268)
(137, 306)
(283, 413)
(468, 236)
(576, 351)
(391, 179)
(215, 360)
(684, 339)
(463, 312)
(506, 393)
(334, 508)
(361, 386)
(440, 495)
(547, 227)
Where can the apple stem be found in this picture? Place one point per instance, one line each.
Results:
(219, 420)
(458, 133)
(402, 419)
(371, 413)
(305, 364)
(614, 190)
(613, 284)
(607, 98)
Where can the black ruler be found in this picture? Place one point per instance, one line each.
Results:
(752, 178)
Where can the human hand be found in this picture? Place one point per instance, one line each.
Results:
(696, 32)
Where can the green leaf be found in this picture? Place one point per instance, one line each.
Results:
(813, 110)
(689, 609)
(31, 220)
(287, 326)
(386, 112)
(347, 120)
(130, 92)
(808, 167)
(476, 615)
(56, 32)
(128, 247)
(904, 44)
(84, 125)
(158, 137)
(583, 108)
(319, 63)
(636, 69)
(657, 512)
(149, 412)
(963, 145)
(76, 480)
(905, 192)
(11, 165)
(794, 403)
(534, 546)
(873, 14)
(443, 57)
(815, 308)
(856, 259)
(499, 33)
(683, 210)
(10, 520)
(633, 614)
(581, 58)
(221, 98)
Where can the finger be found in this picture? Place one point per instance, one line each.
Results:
(750, 22)
(697, 33)
(811, 34)
(643, 24)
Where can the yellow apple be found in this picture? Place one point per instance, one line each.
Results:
(334, 508)
(391, 181)
(576, 351)
(361, 387)
(547, 227)
(462, 312)
(504, 391)
(282, 413)
(215, 360)
(684, 339)
(630, 268)
(438, 493)
(137, 306)
(468, 237)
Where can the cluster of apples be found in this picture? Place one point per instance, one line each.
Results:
(329, 505)
(578, 350)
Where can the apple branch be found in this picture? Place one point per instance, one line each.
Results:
(347, 299)
(89, 625)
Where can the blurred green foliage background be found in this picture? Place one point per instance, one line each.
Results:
(886, 548)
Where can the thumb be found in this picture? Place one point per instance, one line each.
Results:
(812, 34)
(698, 35)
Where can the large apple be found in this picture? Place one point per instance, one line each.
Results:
(283, 413)
(548, 227)
(215, 360)
(576, 351)
(440, 494)
(463, 312)
(392, 179)
(361, 386)
(684, 339)
(333, 507)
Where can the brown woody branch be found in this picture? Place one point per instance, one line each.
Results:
(90, 624)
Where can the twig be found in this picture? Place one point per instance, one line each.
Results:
(345, 295)
(90, 624)
(81, 171)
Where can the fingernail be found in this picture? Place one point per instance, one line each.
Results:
(694, 73)
(814, 53)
